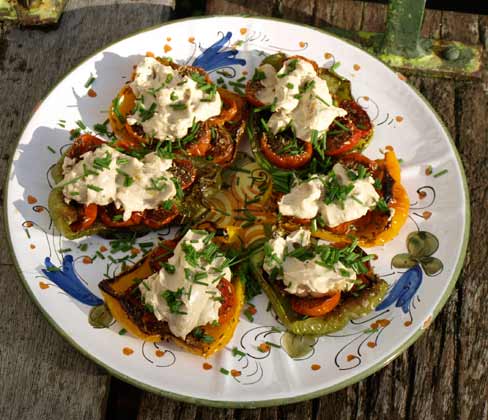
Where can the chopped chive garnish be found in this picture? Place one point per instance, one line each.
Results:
(173, 300)
(342, 126)
(94, 188)
(248, 315)
(443, 172)
(313, 226)
(290, 67)
(322, 100)
(382, 206)
(90, 81)
(116, 109)
(335, 66)
(81, 124)
(178, 106)
(99, 254)
(237, 352)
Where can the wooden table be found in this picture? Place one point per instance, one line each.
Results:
(443, 375)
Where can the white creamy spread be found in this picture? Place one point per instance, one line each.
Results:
(174, 101)
(105, 176)
(306, 199)
(303, 200)
(301, 98)
(303, 278)
(197, 296)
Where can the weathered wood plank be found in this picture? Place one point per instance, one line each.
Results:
(472, 328)
(159, 408)
(460, 27)
(298, 10)
(431, 28)
(374, 17)
(347, 14)
(43, 377)
(232, 7)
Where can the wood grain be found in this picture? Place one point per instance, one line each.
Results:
(42, 376)
(234, 7)
(444, 375)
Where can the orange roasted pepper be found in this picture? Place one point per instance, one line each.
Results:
(399, 203)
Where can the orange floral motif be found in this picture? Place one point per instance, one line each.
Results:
(327, 56)
(159, 353)
(43, 285)
(302, 44)
(380, 323)
(315, 366)
(371, 344)
(167, 48)
(263, 347)
(127, 351)
(422, 195)
(91, 93)
(399, 118)
(168, 39)
(350, 357)
(427, 322)
(31, 199)
(356, 67)
(32, 246)
(243, 31)
(87, 260)
(235, 373)
(426, 214)
(191, 39)
(207, 366)
(407, 323)
(103, 248)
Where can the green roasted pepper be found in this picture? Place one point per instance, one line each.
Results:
(352, 307)
(191, 207)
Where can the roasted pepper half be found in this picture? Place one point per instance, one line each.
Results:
(349, 133)
(122, 296)
(337, 310)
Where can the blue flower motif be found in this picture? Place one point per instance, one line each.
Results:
(404, 290)
(65, 278)
(213, 58)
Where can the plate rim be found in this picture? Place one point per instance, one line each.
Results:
(229, 403)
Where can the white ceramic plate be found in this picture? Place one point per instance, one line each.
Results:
(403, 119)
